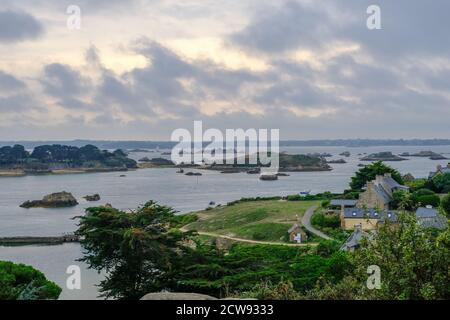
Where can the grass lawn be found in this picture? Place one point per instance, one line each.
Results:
(254, 220)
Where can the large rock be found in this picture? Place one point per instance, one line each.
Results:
(176, 296)
(54, 200)
(94, 197)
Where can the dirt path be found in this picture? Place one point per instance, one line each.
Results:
(306, 221)
(216, 235)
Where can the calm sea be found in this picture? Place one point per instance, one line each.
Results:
(182, 192)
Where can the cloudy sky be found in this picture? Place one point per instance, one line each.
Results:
(139, 69)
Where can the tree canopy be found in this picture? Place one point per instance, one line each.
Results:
(86, 156)
(21, 282)
(138, 249)
(369, 173)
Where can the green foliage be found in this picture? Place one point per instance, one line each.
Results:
(429, 200)
(369, 173)
(321, 220)
(13, 155)
(326, 248)
(21, 282)
(181, 220)
(243, 200)
(413, 262)
(417, 184)
(245, 267)
(325, 203)
(70, 156)
(442, 183)
(263, 231)
(445, 204)
(138, 249)
(268, 291)
(425, 197)
(403, 200)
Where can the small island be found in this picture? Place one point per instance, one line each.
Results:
(93, 197)
(425, 154)
(287, 163)
(146, 163)
(383, 156)
(337, 161)
(55, 200)
(60, 159)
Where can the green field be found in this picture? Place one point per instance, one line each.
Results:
(253, 220)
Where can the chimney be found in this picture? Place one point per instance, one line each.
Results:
(378, 179)
(429, 207)
(439, 167)
(448, 165)
(387, 174)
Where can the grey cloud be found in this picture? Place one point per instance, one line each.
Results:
(10, 83)
(66, 84)
(15, 103)
(18, 26)
(284, 28)
(408, 27)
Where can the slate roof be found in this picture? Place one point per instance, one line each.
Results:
(393, 184)
(291, 229)
(426, 212)
(355, 239)
(359, 213)
(431, 218)
(440, 222)
(343, 202)
(382, 193)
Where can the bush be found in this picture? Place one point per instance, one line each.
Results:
(425, 197)
(442, 183)
(21, 282)
(323, 221)
(325, 203)
(445, 204)
(326, 248)
(182, 220)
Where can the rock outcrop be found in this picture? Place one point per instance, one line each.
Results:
(54, 200)
(94, 197)
(176, 296)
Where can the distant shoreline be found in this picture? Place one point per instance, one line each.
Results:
(22, 173)
(134, 144)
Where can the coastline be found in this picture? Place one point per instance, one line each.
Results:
(23, 173)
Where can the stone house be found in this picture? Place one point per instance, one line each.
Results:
(439, 170)
(367, 219)
(378, 193)
(354, 240)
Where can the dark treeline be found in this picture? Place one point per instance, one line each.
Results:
(69, 156)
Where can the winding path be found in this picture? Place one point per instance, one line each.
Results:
(216, 235)
(306, 221)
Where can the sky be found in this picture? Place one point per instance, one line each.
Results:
(137, 70)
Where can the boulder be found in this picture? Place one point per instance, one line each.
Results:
(176, 296)
(94, 197)
(54, 200)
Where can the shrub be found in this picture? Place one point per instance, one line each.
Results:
(425, 197)
(21, 282)
(323, 221)
(325, 203)
(442, 183)
(445, 204)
